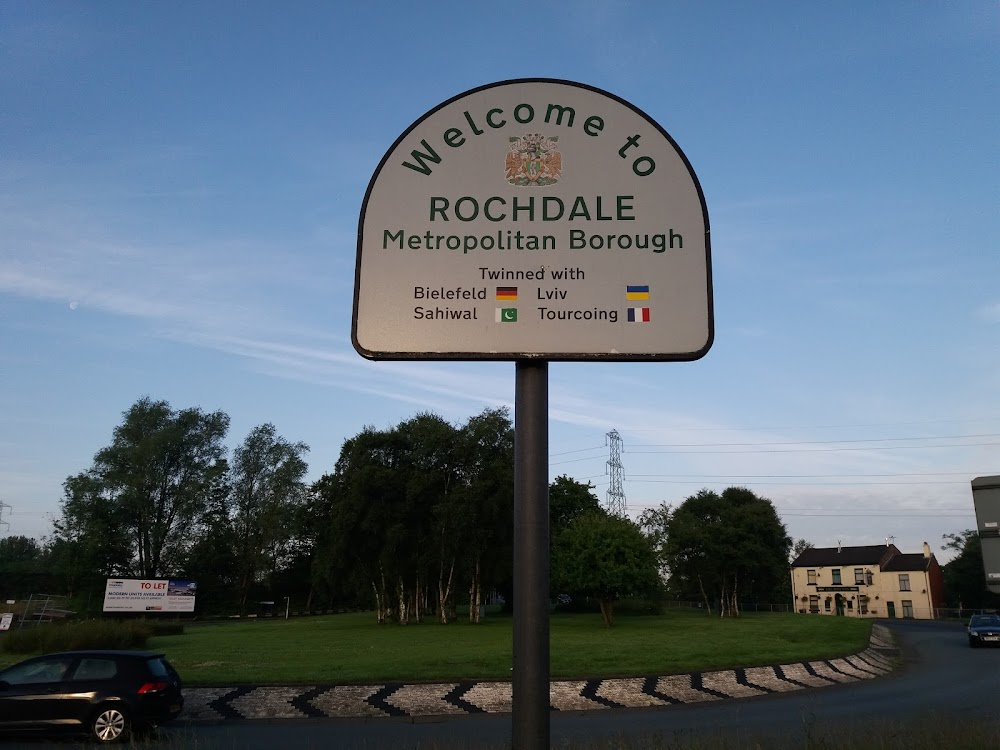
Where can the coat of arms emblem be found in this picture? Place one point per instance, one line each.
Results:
(533, 160)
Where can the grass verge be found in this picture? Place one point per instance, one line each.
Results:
(353, 649)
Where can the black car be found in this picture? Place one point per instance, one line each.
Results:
(984, 630)
(108, 694)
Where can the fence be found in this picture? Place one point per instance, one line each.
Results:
(743, 606)
(960, 613)
(44, 608)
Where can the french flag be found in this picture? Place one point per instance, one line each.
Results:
(638, 315)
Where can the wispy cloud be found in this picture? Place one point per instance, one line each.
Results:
(60, 254)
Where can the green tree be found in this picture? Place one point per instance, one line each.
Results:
(654, 523)
(91, 539)
(23, 568)
(605, 557)
(212, 559)
(133, 511)
(268, 491)
(721, 548)
(19, 549)
(568, 500)
(800, 546)
(964, 575)
(424, 536)
(486, 503)
(416, 514)
(391, 527)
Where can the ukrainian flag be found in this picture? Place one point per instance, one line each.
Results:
(637, 292)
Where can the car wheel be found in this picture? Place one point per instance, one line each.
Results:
(110, 724)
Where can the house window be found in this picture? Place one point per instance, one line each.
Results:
(814, 604)
(863, 604)
(859, 576)
(850, 604)
(868, 577)
(826, 604)
(811, 574)
(907, 608)
(836, 576)
(904, 581)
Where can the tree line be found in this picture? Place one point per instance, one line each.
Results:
(413, 522)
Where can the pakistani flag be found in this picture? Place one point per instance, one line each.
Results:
(506, 315)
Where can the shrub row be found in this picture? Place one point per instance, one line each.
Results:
(86, 634)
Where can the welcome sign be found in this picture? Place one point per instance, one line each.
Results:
(534, 218)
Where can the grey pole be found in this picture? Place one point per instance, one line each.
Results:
(530, 699)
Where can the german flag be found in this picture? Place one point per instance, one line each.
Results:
(507, 293)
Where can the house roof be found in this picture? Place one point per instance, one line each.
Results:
(906, 562)
(822, 557)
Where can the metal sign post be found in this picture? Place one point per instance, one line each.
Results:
(531, 556)
(534, 220)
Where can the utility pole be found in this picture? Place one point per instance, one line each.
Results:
(615, 499)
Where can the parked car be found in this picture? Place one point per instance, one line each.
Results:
(107, 694)
(984, 630)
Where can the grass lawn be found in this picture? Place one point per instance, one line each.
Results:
(353, 649)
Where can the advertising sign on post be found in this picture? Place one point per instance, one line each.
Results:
(986, 497)
(534, 218)
(5, 620)
(160, 595)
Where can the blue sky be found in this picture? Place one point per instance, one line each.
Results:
(180, 186)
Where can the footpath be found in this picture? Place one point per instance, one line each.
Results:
(475, 697)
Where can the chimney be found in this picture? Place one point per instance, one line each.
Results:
(838, 546)
(927, 550)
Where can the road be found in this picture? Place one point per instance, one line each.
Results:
(941, 677)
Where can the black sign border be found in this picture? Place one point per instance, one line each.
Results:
(515, 356)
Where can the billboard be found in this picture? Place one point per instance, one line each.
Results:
(534, 218)
(149, 595)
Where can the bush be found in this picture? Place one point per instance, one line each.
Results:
(87, 634)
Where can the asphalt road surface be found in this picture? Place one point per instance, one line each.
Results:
(942, 679)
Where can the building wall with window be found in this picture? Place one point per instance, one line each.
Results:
(872, 581)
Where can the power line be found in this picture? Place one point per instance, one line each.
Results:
(820, 442)
(579, 450)
(814, 476)
(804, 484)
(866, 513)
(991, 420)
(813, 450)
(574, 460)
(877, 515)
(884, 510)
